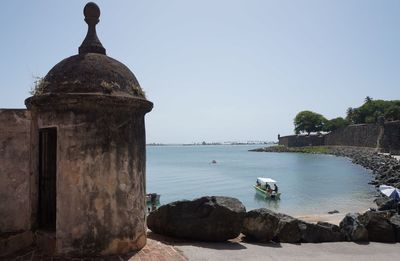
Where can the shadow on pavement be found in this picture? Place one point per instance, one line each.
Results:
(228, 245)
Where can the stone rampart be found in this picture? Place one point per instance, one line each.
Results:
(360, 135)
(386, 137)
(302, 140)
(391, 138)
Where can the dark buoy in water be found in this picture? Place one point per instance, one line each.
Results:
(214, 162)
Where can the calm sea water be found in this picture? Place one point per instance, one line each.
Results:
(310, 184)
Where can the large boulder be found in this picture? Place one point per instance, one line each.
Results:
(378, 226)
(353, 229)
(288, 230)
(207, 219)
(320, 232)
(395, 221)
(260, 225)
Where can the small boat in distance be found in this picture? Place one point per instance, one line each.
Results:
(267, 188)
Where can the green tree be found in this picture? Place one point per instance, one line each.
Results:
(392, 113)
(335, 124)
(349, 114)
(371, 110)
(308, 121)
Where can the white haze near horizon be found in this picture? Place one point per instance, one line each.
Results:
(222, 70)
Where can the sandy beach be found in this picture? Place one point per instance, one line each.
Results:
(330, 218)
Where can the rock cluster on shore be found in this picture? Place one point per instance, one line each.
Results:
(385, 167)
(223, 218)
(264, 225)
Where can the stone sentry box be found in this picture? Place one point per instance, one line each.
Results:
(88, 153)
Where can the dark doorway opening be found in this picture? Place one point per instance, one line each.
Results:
(47, 179)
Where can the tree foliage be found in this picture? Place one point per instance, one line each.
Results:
(308, 121)
(335, 124)
(371, 110)
(392, 113)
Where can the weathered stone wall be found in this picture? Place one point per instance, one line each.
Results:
(100, 180)
(391, 137)
(15, 204)
(386, 137)
(360, 135)
(302, 140)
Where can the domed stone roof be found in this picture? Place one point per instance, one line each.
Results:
(91, 71)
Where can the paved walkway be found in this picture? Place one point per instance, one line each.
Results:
(239, 250)
(345, 251)
(160, 248)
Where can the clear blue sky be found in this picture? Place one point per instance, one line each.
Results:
(218, 70)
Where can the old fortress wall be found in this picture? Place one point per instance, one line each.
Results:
(385, 137)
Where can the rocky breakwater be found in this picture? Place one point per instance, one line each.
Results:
(385, 167)
(263, 225)
(206, 219)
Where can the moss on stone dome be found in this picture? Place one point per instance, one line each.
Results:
(91, 73)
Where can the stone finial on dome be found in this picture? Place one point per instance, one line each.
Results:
(91, 44)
